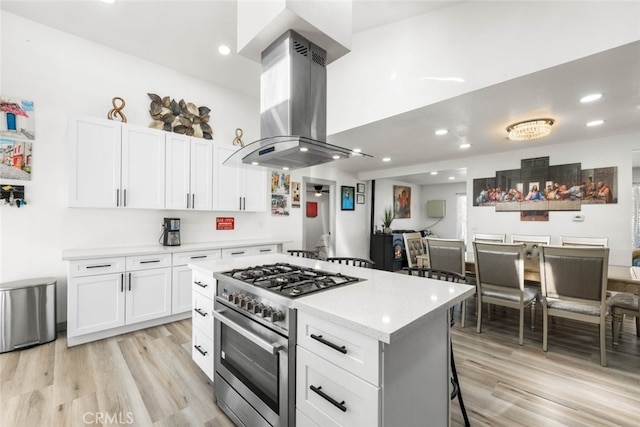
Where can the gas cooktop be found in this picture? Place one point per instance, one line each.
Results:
(290, 280)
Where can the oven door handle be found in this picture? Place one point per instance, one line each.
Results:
(272, 348)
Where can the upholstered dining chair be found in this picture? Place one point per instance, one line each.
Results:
(623, 304)
(574, 286)
(356, 262)
(302, 253)
(447, 276)
(413, 246)
(489, 238)
(500, 280)
(532, 245)
(448, 255)
(584, 241)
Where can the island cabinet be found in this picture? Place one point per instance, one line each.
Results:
(115, 164)
(237, 188)
(348, 378)
(182, 280)
(202, 322)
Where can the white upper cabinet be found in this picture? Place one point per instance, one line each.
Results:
(95, 156)
(114, 164)
(237, 188)
(189, 172)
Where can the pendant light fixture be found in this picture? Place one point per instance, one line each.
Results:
(530, 129)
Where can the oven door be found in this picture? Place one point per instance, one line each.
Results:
(251, 370)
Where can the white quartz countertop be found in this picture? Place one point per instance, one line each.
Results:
(383, 306)
(76, 254)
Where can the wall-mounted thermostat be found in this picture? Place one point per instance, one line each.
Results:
(578, 218)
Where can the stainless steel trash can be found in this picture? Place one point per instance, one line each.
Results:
(27, 313)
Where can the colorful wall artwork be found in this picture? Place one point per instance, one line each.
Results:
(15, 159)
(401, 201)
(17, 119)
(538, 187)
(280, 188)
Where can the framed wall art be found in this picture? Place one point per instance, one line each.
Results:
(360, 188)
(360, 199)
(401, 201)
(347, 198)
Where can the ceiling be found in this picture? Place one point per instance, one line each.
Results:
(139, 27)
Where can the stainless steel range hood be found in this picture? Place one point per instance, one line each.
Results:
(293, 105)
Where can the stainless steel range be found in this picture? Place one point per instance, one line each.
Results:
(255, 333)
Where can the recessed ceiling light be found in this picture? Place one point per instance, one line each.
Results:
(357, 150)
(595, 123)
(434, 173)
(452, 177)
(254, 163)
(224, 49)
(285, 168)
(335, 157)
(463, 146)
(304, 149)
(442, 132)
(386, 159)
(590, 98)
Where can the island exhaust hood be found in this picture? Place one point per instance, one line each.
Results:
(293, 105)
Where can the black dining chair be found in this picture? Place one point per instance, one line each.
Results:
(302, 253)
(356, 262)
(447, 276)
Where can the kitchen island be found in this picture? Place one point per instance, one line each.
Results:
(370, 353)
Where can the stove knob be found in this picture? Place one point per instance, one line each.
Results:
(231, 296)
(243, 302)
(277, 316)
(257, 309)
(237, 298)
(250, 304)
(266, 312)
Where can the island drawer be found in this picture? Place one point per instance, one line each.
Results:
(344, 347)
(183, 258)
(202, 314)
(202, 352)
(145, 262)
(90, 267)
(331, 396)
(205, 285)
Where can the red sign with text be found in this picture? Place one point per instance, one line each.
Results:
(225, 223)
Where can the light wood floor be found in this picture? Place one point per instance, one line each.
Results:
(147, 378)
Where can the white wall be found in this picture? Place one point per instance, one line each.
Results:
(63, 75)
(482, 42)
(446, 227)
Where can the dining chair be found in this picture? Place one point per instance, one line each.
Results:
(500, 280)
(302, 253)
(355, 262)
(447, 276)
(489, 238)
(623, 304)
(584, 241)
(532, 245)
(574, 286)
(413, 246)
(448, 255)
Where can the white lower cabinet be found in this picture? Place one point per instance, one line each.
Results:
(346, 378)
(182, 284)
(95, 303)
(148, 295)
(202, 322)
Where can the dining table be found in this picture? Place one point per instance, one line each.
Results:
(620, 278)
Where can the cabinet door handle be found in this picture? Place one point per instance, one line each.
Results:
(198, 256)
(202, 285)
(99, 266)
(117, 197)
(129, 281)
(339, 405)
(125, 198)
(238, 253)
(121, 282)
(149, 261)
(193, 201)
(341, 349)
(202, 352)
(244, 203)
(200, 312)
(188, 199)
(239, 203)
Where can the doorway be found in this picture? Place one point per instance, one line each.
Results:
(318, 220)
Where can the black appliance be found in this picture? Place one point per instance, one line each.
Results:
(171, 232)
(255, 334)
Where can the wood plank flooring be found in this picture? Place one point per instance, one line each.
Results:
(147, 378)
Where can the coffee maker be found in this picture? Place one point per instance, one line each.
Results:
(171, 232)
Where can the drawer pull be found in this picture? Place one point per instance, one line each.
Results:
(200, 312)
(99, 266)
(199, 256)
(341, 349)
(265, 250)
(149, 261)
(200, 350)
(238, 253)
(202, 285)
(339, 405)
